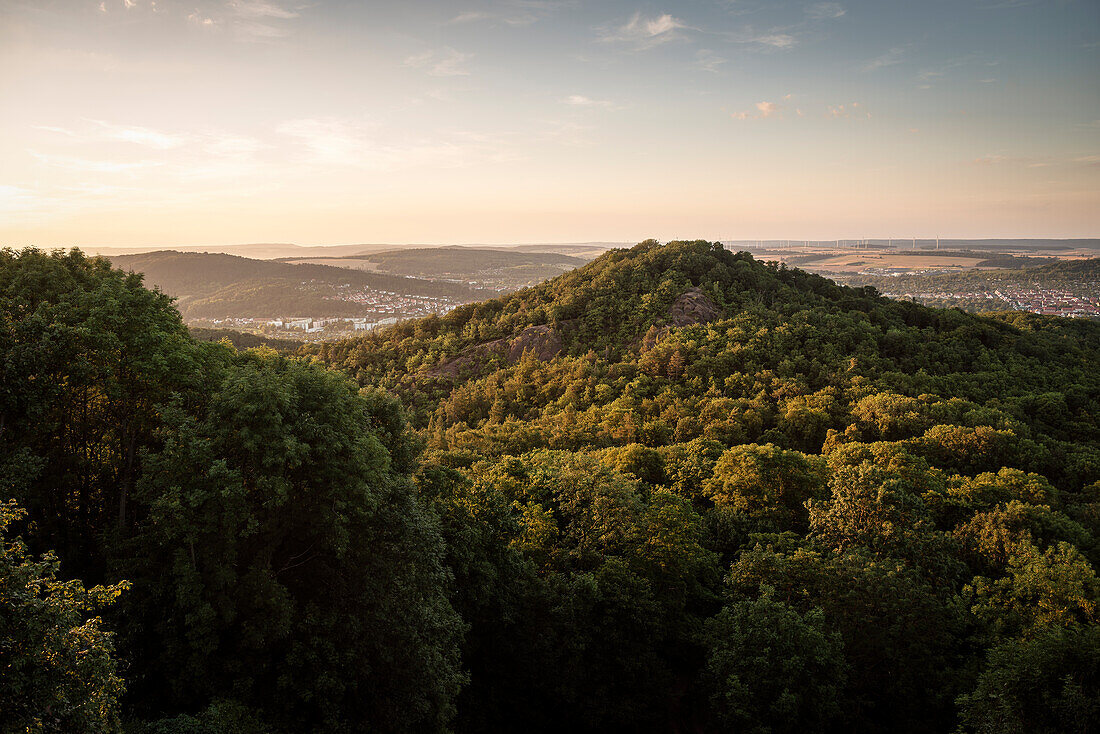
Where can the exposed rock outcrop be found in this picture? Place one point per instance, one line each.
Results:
(544, 342)
(693, 307)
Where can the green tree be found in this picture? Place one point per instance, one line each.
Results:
(87, 357)
(1042, 588)
(287, 562)
(1046, 685)
(58, 671)
(768, 484)
(774, 669)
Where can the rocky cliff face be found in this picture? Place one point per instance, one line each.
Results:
(544, 342)
(693, 307)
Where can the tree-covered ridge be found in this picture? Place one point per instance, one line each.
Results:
(500, 268)
(213, 285)
(828, 451)
(677, 489)
(796, 360)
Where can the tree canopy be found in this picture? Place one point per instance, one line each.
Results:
(674, 489)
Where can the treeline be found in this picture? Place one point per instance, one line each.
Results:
(245, 340)
(813, 509)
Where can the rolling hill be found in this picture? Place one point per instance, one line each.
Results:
(503, 269)
(676, 460)
(209, 285)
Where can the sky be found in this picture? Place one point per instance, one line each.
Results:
(134, 122)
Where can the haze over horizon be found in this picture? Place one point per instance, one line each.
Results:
(130, 122)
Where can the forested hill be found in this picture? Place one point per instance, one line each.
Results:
(744, 489)
(213, 285)
(677, 489)
(660, 344)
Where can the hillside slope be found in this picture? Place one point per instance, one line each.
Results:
(772, 339)
(687, 490)
(211, 285)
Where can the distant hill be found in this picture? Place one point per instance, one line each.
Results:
(259, 250)
(499, 268)
(285, 250)
(502, 268)
(209, 285)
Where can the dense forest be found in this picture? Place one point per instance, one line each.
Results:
(218, 286)
(677, 489)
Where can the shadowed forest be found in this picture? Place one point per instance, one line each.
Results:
(677, 489)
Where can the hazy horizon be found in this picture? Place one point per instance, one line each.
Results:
(546, 121)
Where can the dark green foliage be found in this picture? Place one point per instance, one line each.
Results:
(86, 356)
(1046, 685)
(262, 509)
(245, 340)
(58, 672)
(772, 669)
(676, 489)
(289, 562)
(899, 637)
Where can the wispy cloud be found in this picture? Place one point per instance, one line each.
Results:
(890, 58)
(778, 110)
(260, 31)
(100, 131)
(140, 135)
(260, 9)
(775, 40)
(579, 100)
(447, 62)
(233, 146)
(90, 165)
(825, 11)
(329, 140)
(1000, 159)
(248, 20)
(201, 20)
(471, 16)
(707, 60)
(512, 12)
(647, 31)
(848, 111)
(929, 75)
(344, 143)
(763, 110)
